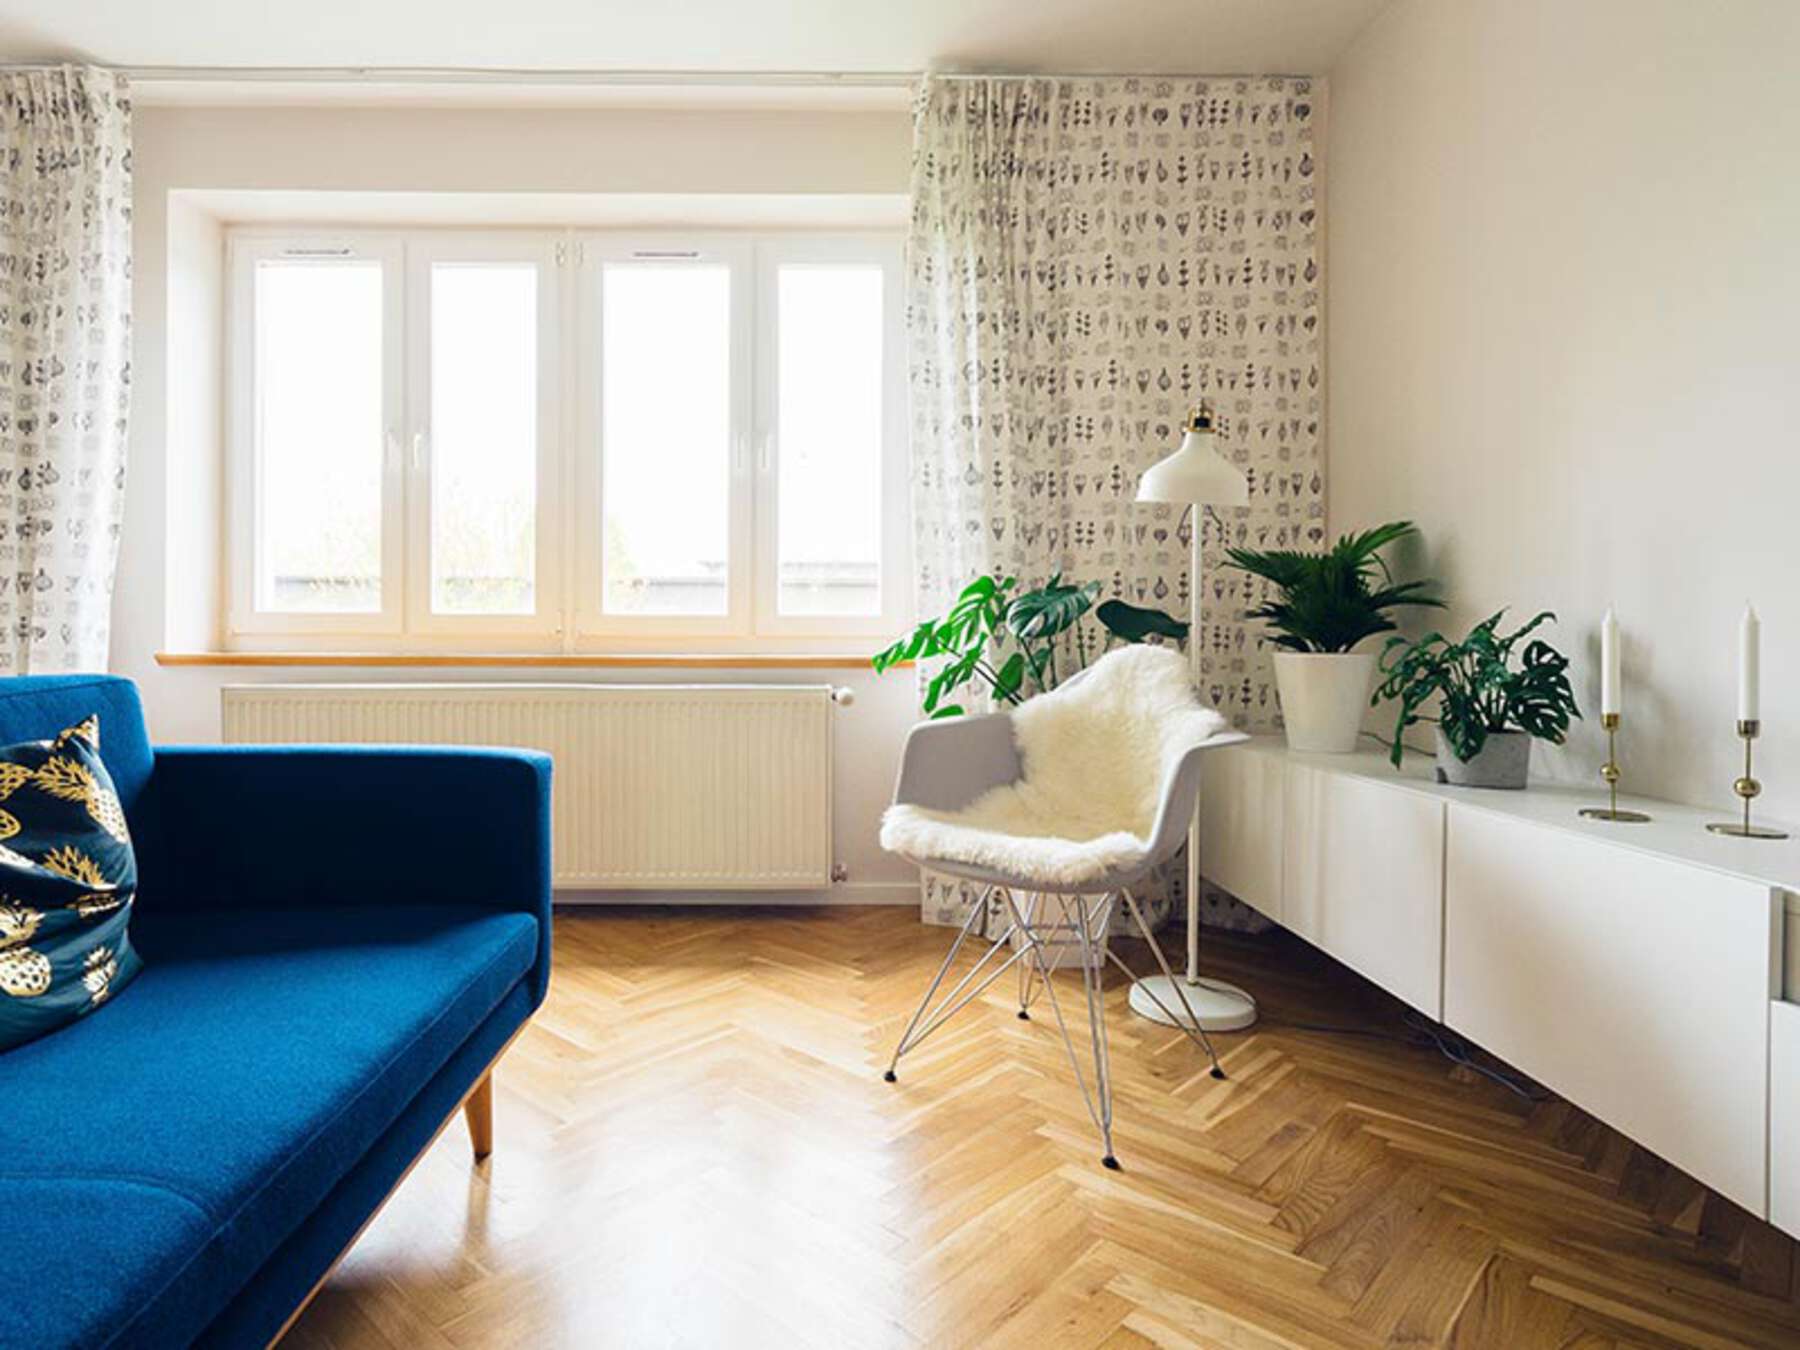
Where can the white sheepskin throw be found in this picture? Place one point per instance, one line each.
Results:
(1095, 755)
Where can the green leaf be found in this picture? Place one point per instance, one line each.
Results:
(952, 677)
(948, 710)
(1132, 623)
(1010, 676)
(1053, 608)
(976, 615)
(908, 648)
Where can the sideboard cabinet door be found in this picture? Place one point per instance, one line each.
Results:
(1784, 1116)
(1363, 879)
(1635, 986)
(1240, 826)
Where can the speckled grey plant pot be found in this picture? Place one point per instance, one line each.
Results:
(1503, 761)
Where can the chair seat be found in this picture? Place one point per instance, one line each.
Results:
(153, 1155)
(1038, 856)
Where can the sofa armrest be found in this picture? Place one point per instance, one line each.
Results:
(310, 825)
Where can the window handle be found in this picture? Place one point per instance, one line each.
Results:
(393, 450)
(419, 443)
(765, 461)
(740, 455)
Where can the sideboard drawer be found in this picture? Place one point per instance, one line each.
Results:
(1635, 986)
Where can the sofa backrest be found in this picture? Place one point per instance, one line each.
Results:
(35, 707)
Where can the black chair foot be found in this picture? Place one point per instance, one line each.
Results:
(1111, 1163)
(1024, 1016)
(889, 1076)
(1218, 1072)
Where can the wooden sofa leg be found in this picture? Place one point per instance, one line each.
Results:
(479, 1108)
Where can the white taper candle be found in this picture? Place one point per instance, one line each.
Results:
(1749, 665)
(1609, 664)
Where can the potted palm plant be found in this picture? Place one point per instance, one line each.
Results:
(1326, 603)
(1489, 707)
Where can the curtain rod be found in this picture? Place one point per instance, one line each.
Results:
(506, 75)
(778, 79)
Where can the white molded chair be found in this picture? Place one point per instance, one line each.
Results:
(1064, 803)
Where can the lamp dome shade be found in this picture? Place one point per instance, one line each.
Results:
(1196, 473)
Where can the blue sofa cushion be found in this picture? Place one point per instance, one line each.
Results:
(35, 706)
(175, 1143)
(67, 879)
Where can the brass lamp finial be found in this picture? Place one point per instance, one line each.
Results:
(1201, 419)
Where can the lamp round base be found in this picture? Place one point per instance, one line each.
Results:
(1746, 831)
(1218, 1006)
(1607, 813)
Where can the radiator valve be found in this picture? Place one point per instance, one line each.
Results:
(839, 872)
(843, 696)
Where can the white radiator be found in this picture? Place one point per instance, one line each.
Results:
(657, 787)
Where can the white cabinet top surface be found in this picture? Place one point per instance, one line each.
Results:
(1674, 831)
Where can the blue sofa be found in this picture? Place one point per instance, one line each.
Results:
(338, 942)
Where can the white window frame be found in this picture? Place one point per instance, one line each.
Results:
(595, 251)
(243, 494)
(825, 250)
(569, 615)
(423, 252)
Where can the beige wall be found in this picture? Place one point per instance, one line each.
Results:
(1564, 285)
(168, 585)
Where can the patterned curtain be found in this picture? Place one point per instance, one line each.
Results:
(65, 361)
(1088, 259)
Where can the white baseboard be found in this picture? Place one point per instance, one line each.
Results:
(845, 893)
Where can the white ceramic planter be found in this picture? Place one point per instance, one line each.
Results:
(1323, 698)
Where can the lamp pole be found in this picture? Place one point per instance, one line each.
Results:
(1193, 848)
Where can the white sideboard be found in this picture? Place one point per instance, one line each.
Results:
(1636, 969)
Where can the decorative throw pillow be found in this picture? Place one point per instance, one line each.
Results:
(67, 880)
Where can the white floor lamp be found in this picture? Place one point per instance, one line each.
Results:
(1198, 476)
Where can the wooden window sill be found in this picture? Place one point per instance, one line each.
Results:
(528, 660)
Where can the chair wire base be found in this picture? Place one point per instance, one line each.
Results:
(1027, 929)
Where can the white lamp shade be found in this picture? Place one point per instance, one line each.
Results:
(1196, 473)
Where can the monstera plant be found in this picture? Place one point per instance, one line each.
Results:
(1494, 692)
(1011, 641)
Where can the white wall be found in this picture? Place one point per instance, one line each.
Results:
(1564, 282)
(168, 583)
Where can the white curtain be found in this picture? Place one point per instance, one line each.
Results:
(1088, 259)
(65, 361)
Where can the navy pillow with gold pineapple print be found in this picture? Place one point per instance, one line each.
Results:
(67, 879)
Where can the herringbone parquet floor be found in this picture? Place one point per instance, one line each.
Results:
(695, 1148)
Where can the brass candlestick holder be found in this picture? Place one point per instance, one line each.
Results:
(1748, 789)
(1610, 772)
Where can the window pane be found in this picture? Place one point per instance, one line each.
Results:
(665, 403)
(319, 435)
(484, 437)
(828, 532)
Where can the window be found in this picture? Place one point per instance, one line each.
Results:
(320, 319)
(668, 388)
(560, 440)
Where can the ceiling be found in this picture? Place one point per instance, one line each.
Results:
(693, 36)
